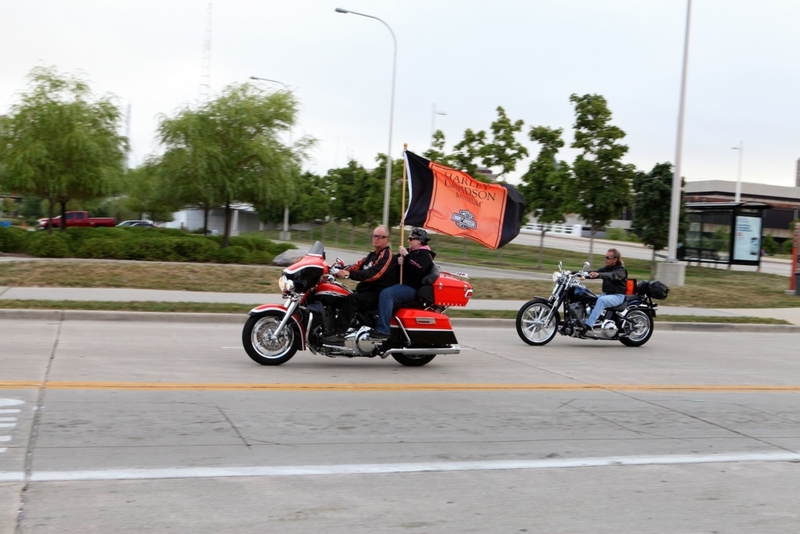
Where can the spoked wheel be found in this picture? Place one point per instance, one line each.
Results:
(638, 330)
(413, 360)
(263, 346)
(531, 325)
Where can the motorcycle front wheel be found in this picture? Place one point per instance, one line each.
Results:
(261, 346)
(531, 326)
(638, 330)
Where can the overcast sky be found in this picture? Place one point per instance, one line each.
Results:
(466, 57)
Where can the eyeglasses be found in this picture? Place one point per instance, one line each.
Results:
(611, 257)
(376, 236)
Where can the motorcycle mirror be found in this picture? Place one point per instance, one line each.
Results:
(339, 262)
(586, 266)
(561, 266)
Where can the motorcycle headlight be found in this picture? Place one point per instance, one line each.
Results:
(556, 276)
(286, 286)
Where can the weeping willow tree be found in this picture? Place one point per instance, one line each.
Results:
(59, 143)
(229, 150)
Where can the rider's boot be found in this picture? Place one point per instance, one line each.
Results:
(334, 338)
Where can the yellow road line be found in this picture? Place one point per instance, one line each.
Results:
(160, 386)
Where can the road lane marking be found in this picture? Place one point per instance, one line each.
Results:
(8, 422)
(160, 386)
(368, 469)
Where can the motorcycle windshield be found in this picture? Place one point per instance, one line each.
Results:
(317, 249)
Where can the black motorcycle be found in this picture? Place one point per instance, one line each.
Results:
(631, 323)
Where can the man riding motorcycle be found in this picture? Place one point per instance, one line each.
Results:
(375, 272)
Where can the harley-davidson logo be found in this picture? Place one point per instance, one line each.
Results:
(465, 220)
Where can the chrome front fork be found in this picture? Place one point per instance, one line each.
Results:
(291, 305)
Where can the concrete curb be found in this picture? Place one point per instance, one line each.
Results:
(235, 318)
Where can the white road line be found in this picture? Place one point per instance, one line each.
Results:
(7, 425)
(8, 418)
(5, 438)
(10, 402)
(310, 470)
(9, 411)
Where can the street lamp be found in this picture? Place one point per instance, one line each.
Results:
(676, 178)
(285, 235)
(268, 80)
(388, 184)
(740, 148)
(674, 212)
(433, 120)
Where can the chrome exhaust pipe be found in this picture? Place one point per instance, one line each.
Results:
(454, 349)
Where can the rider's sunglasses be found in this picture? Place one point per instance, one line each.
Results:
(413, 239)
(376, 236)
(611, 258)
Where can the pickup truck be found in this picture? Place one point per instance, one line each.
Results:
(78, 218)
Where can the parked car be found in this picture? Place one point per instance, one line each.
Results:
(78, 218)
(137, 224)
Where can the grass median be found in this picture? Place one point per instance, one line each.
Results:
(705, 287)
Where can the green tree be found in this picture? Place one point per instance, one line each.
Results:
(229, 151)
(652, 206)
(602, 180)
(547, 186)
(436, 151)
(148, 192)
(504, 151)
(467, 153)
(349, 184)
(59, 143)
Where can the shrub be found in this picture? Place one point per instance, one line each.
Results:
(234, 254)
(13, 239)
(261, 257)
(786, 247)
(769, 245)
(616, 234)
(278, 248)
(53, 245)
(197, 248)
(152, 248)
(102, 248)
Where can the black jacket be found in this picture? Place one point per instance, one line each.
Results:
(615, 278)
(416, 264)
(374, 272)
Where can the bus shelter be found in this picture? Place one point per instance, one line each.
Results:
(723, 232)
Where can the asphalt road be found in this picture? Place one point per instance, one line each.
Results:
(119, 426)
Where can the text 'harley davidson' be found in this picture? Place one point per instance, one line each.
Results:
(420, 330)
(631, 323)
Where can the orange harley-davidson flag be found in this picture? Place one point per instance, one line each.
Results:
(453, 203)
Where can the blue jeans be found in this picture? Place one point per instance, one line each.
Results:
(603, 302)
(390, 296)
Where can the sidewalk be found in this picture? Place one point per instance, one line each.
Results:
(791, 315)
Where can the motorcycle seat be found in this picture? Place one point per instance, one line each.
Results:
(625, 303)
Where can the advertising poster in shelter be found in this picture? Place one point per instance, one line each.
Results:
(747, 242)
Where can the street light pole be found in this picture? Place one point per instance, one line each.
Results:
(672, 272)
(388, 184)
(433, 121)
(740, 148)
(674, 214)
(285, 235)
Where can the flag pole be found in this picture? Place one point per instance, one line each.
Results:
(403, 206)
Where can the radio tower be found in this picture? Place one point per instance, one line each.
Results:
(205, 75)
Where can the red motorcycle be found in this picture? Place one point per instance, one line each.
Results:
(420, 330)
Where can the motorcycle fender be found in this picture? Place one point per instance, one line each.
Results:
(259, 310)
(425, 327)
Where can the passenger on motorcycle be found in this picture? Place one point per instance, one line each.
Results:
(375, 272)
(615, 278)
(416, 262)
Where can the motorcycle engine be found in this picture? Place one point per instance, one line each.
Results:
(360, 343)
(577, 310)
(608, 329)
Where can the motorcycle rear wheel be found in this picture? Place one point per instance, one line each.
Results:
(413, 360)
(530, 322)
(639, 329)
(259, 346)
